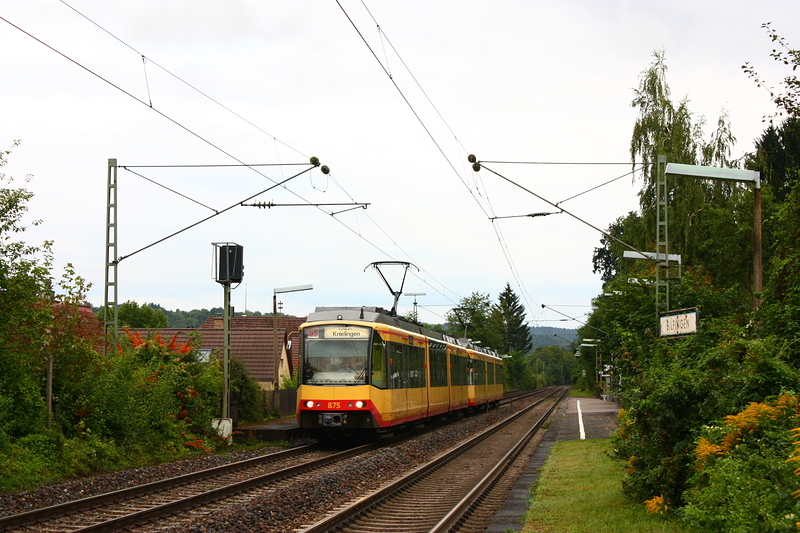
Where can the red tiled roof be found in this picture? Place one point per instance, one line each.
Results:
(251, 341)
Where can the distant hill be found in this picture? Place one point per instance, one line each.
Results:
(546, 336)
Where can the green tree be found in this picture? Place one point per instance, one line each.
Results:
(45, 352)
(473, 317)
(132, 315)
(777, 157)
(518, 372)
(552, 365)
(507, 317)
(25, 314)
(710, 222)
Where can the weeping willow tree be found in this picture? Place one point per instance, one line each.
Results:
(710, 222)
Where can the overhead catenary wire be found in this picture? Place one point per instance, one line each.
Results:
(180, 79)
(275, 139)
(188, 130)
(168, 188)
(212, 216)
(405, 99)
(579, 219)
(503, 244)
(500, 238)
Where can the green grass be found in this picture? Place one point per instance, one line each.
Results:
(575, 392)
(580, 491)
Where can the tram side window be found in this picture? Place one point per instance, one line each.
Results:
(500, 374)
(480, 372)
(460, 370)
(438, 366)
(379, 375)
(491, 373)
(416, 367)
(398, 372)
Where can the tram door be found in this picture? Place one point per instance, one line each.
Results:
(409, 380)
(438, 389)
(398, 381)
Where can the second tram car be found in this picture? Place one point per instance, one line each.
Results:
(363, 370)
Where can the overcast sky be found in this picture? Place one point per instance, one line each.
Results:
(278, 82)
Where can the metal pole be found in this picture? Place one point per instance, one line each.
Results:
(277, 357)
(758, 282)
(226, 351)
(110, 309)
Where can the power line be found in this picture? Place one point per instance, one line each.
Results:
(562, 163)
(275, 139)
(597, 187)
(178, 78)
(501, 239)
(240, 163)
(212, 216)
(480, 166)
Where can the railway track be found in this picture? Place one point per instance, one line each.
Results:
(192, 500)
(127, 507)
(444, 494)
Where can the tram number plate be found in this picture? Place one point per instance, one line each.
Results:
(334, 405)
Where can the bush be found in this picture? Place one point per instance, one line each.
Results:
(673, 401)
(742, 480)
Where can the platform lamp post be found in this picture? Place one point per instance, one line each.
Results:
(277, 356)
(733, 174)
(228, 268)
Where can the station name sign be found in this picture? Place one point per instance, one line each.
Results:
(680, 322)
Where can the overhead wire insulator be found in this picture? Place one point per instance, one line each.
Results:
(314, 161)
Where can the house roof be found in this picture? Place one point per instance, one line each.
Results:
(251, 340)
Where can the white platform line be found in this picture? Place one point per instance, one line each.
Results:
(580, 420)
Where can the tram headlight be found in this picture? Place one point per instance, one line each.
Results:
(360, 404)
(310, 404)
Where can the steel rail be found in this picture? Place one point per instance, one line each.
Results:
(219, 493)
(468, 502)
(92, 502)
(341, 517)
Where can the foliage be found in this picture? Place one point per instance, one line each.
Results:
(607, 259)
(247, 392)
(501, 326)
(709, 221)
(696, 411)
(789, 101)
(131, 315)
(518, 373)
(552, 365)
(471, 317)
(696, 382)
(189, 319)
(743, 480)
(155, 393)
(24, 314)
(781, 310)
(777, 158)
(507, 319)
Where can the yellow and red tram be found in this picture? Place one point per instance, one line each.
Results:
(363, 370)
